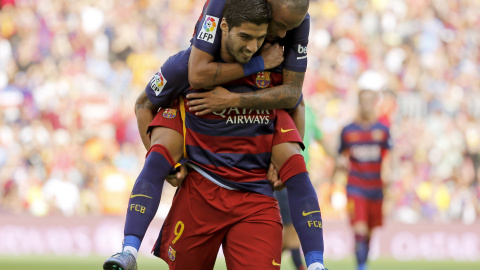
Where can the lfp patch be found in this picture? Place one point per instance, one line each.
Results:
(172, 253)
(263, 79)
(170, 113)
(209, 29)
(158, 82)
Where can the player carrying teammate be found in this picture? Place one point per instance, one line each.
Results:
(218, 168)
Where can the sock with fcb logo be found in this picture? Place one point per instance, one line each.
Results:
(145, 197)
(304, 209)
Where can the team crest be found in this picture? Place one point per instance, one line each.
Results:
(172, 253)
(263, 79)
(158, 82)
(170, 113)
(377, 135)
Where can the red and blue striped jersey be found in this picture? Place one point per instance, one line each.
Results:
(207, 36)
(231, 147)
(366, 147)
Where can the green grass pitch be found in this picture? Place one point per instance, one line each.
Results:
(150, 263)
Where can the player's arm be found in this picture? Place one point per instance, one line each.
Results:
(203, 72)
(145, 111)
(279, 97)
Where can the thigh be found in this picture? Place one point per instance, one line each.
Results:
(375, 215)
(357, 209)
(186, 238)
(255, 242)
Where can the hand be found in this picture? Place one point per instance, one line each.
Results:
(275, 181)
(177, 179)
(272, 55)
(207, 102)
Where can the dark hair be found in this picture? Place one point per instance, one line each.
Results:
(237, 12)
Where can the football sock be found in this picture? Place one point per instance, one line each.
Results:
(146, 193)
(297, 259)
(361, 250)
(131, 243)
(304, 208)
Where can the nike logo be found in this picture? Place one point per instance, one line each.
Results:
(274, 263)
(285, 130)
(140, 195)
(309, 213)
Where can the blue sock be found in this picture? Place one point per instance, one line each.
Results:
(297, 259)
(361, 251)
(306, 218)
(146, 194)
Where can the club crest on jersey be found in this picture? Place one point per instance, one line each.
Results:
(377, 135)
(263, 79)
(172, 253)
(209, 29)
(158, 82)
(170, 113)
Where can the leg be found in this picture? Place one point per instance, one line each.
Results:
(255, 242)
(290, 237)
(302, 198)
(164, 153)
(358, 213)
(193, 230)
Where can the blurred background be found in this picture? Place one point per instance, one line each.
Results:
(70, 72)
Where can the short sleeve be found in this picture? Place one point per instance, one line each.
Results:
(170, 81)
(295, 46)
(207, 34)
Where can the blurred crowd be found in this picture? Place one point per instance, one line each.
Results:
(70, 72)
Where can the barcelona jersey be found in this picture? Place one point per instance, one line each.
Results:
(366, 147)
(231, 148)
(207, 36)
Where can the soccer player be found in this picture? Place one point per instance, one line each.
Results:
(256, 207)
(289, 27)
(365, 143)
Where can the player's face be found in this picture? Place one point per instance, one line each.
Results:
(243, 41)
(283, 20)
(367, 101)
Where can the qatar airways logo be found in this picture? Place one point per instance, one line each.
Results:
(366, 152)
(237, 116)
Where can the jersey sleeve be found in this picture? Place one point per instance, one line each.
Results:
(343, 143)
(170, 81)
(207, 33)
(388, 143)
(295, 47)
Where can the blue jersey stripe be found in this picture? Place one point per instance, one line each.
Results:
(237, 160)
(260, 186)
(374, 193)
(365, 176)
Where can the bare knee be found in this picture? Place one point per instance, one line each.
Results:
(169, 138)
(282, 152)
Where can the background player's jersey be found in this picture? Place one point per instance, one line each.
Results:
(367, 147)
(231, 148)
(208, 34)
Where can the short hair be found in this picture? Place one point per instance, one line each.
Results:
(237, 12)
(295, 6)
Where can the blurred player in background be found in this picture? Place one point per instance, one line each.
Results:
(365, 143)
